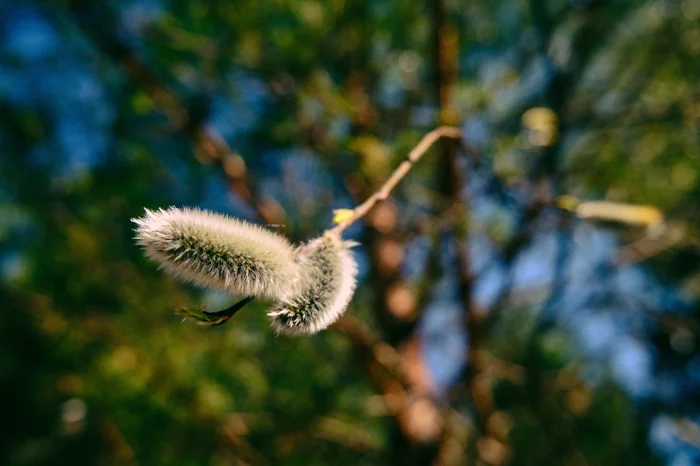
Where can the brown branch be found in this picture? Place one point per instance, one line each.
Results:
(209, 145)
(401, 171)
(466, 435)
(416, 413)
(361, 337)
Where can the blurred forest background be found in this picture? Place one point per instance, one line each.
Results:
(490, 326)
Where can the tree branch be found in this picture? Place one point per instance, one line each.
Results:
(401, 171)
(206, 141)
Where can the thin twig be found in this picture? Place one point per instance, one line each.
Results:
(401, 171)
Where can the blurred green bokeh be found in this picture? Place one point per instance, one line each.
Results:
(281, 111)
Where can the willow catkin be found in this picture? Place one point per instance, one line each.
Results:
(322, 294)
(217, 251)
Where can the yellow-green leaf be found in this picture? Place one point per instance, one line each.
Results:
(342, 215)
(567, 202)
(624, 213)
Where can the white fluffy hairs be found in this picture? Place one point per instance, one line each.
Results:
(220, 252)
(324, 291)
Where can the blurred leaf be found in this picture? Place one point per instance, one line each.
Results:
(342, 215)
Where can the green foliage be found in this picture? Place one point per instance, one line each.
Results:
(105, 109)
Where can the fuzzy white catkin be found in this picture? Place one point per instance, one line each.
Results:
(324, 291)
(217, 251)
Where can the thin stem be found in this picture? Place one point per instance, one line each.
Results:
(401, 171)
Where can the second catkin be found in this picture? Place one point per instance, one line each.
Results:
(324, 290)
